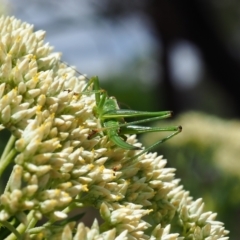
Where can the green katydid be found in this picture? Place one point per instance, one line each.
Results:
(112, 120)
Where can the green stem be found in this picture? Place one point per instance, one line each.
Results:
(15, 233)
(8, 147)
(32, 223)
(36, 230)
(21, 229)
(4, 162)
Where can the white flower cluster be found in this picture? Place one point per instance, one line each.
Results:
(58, 168)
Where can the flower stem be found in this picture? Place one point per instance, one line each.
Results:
(8, 154)
(22, 227)
(7, 149)
(15, 234)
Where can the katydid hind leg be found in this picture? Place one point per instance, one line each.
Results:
(142, 121)
(157, 143)
(127, 113)
(135, 129)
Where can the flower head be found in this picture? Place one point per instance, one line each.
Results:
(59, 167)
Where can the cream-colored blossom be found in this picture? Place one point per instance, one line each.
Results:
(58, 168)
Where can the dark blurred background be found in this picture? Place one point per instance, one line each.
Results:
(153, 55)
(184, 53)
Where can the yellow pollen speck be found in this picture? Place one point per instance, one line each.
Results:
(31, 57)
(57, 191)
(118, 198)
(59, 145)
(65, 194)
(65, 76)
(18, 39)
(90, 166)
(42, 127)
(75, 97)
(128, 182)
(35, 78)
(149, 211)
(38, 108)
(40, 235)
(85, 188)
(101, 168)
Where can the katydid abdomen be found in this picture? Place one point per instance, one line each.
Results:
(112, 130)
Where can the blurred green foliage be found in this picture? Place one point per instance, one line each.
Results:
(129, 93)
